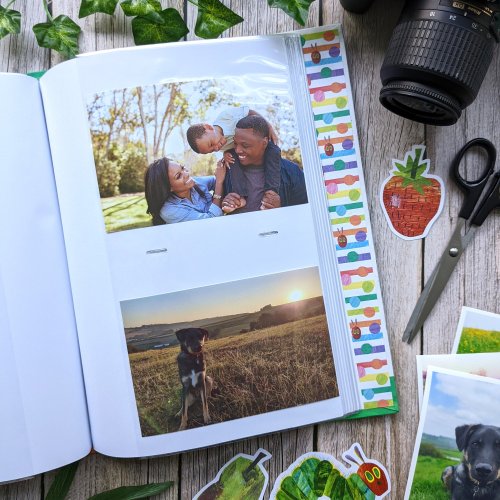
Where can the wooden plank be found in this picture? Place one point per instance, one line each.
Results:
(382, 136)
(29, 489)
(475, 280)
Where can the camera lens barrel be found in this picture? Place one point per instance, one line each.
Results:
(437, 58)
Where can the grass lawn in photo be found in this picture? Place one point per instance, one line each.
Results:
(431, 462)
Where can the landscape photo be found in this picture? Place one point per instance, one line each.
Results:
(454, 400)
(268, 349)
(478, 331)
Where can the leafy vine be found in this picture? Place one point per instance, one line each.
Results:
(150, 22)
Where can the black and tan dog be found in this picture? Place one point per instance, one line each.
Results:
(478, 476)
(196, 384)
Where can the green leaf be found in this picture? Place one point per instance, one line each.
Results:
(298, 9)
(60, 34)
(407, 181)
(418, 188)
(400, 166)
(62, 482)
(147, 29)
(10, 22)
(142, 8)
(214, 18)
(88, 7)
(133, 492)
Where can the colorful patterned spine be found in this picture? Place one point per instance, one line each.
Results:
(329, 88)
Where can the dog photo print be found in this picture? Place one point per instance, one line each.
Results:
(457, 450)
(483, 364)
(157, 147)
(228, 351)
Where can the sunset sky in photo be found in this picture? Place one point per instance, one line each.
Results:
(244, 296)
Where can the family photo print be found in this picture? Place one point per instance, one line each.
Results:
(182, 151)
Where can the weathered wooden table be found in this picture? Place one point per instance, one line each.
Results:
(403, 265)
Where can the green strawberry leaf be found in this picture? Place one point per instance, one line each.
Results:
(298, 9)
(133, 492)
(60, 34)
(407, 181)
(88, 7)
(214, 18)
(147, 29)
(142, 8)
(425, 182)
(421, 169)
(400, 166)
(418, 188)
(10, 22)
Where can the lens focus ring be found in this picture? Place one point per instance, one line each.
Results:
(433, 48)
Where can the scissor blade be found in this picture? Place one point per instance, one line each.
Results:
(436, 283)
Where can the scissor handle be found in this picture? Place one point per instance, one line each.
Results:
(490, 201)
(473, 188)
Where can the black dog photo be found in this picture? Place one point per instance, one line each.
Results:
(229, 351)
(478, 475)
(457, 454)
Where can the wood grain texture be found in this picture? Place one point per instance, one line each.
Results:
(402, 265)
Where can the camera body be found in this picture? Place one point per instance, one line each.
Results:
(438, 56)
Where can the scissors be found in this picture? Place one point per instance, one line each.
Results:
(482, 196)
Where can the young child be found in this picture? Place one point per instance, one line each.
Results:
(204, 138)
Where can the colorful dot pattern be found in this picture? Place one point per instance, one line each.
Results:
(333, 114)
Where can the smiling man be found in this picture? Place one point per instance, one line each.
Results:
(250, 141)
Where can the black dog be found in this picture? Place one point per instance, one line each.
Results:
(478, 476)
(196, 384)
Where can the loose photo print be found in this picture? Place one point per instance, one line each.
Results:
(192, 150)
(457, 450)
(477, 331)
(483, 364)
(228, 351)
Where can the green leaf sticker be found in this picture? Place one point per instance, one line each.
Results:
(298, 9)
(150, 8)
(133, 492)
(147, 29)
(88, 7)
(214, 18)
(10, 22)
(60, 34)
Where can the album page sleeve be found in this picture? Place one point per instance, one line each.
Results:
(113, 269)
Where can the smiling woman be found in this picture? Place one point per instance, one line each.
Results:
(174, 196)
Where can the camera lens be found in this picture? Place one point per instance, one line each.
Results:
(437, 58)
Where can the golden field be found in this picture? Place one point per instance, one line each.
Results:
(254, 372)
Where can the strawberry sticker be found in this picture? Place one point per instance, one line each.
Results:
(411, 198)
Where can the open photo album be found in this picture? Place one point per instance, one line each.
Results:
(188, 258)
